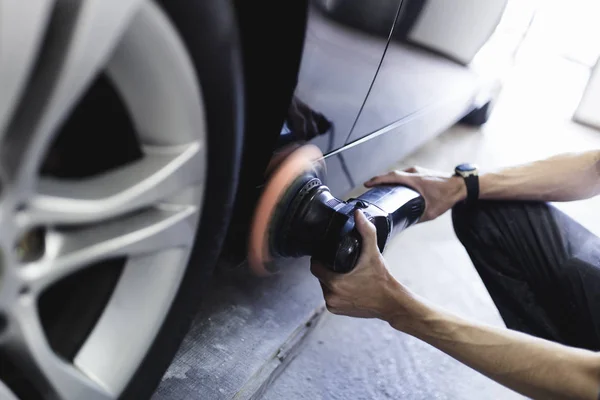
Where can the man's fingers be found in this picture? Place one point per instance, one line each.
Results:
(381, 179)
(393, 177)
(321, 272)
(366, 229)
(325, 289)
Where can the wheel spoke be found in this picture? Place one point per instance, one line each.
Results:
(26, 21)
(157, 105)
(146, 211)
(81, 38)
(143, 233)
(158, 175)
(27, 346)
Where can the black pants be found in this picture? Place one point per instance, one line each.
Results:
(541, 268)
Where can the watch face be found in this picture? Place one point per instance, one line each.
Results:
(467, 167)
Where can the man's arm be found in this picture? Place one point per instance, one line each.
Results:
(534, 367)
(562, 178)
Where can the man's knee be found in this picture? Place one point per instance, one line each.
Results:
(484, 221)
(461, 218)
(468, 220)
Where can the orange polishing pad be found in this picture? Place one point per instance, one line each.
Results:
(299, 161)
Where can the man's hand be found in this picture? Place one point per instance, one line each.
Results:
(440, 191)
(368, 291)
(534, 367)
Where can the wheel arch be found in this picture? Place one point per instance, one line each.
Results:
(246, 99)
(270, 77)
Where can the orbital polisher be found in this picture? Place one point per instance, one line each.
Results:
(298, 216)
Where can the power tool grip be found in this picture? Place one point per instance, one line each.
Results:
(390, 208)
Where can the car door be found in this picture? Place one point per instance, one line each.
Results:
(424, 83)
(344, 46)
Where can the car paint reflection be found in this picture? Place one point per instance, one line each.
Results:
(339, 64)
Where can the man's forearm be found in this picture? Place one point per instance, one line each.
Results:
(562, 178)
(534, 367)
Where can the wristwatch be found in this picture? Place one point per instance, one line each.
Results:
(470, 173)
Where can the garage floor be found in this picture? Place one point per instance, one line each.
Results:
(270, 338)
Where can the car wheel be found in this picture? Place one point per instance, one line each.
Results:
(114, 191)
(478, 116)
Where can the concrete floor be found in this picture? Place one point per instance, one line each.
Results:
(348, 358)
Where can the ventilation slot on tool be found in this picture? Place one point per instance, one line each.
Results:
(417, 209)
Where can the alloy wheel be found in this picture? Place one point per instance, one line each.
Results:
(106, 244)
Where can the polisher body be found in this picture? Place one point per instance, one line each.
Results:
(322, 226)
(301, 217)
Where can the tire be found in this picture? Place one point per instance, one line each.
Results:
(121, 130)
(222, 89)
(478, 116)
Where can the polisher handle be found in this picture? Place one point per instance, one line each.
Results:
(404, 205)
(350, 245)
(390, 208)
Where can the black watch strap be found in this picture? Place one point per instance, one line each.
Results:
(470, 174)
(472, 183)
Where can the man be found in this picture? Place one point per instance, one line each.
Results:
(541, 268)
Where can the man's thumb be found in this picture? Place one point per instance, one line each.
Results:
(367, 230)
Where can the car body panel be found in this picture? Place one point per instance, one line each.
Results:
(422, 85)
(338, 179)
(412, 80)
(458, 28)
(368, 91)
(339, 64)
(374, 153)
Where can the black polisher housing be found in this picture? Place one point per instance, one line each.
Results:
(310, 221)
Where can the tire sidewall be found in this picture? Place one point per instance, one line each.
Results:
(216, 54)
